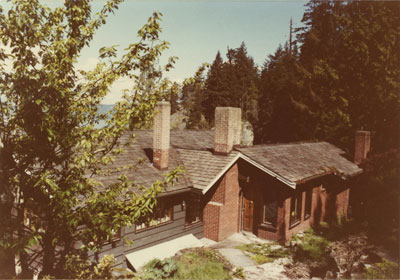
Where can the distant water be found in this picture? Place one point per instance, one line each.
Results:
(103, 108)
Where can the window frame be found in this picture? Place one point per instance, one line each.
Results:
(308, 204)
(163, 210)
(270, 197)
(192, 202)
(296, 202)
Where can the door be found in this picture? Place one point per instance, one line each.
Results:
(248, 209)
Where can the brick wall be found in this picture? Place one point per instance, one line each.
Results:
(221, 213)
(362, 146)
(229, 217)
(330, 202)
(342, 203)
(211, 214)
(304, 223)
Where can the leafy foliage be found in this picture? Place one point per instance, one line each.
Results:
(201, 263)
(312, 248)
(193, 98)
(232, 83)
(383, 270)
(350, 49)
(159, 269)
(340, 75)
(51, 150)
(379, 189)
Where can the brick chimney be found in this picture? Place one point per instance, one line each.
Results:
(161, 128)
(362, 146)
(227, 129)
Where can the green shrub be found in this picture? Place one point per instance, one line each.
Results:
(311, 248)
(260, 259)
(159, 269)
(239, 273)
(201, 263)
(383, 270)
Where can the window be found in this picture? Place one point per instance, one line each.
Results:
(307, 212)
(193, 209)
(295, 209)
(270, 208)
(162, 213)
(117, 234)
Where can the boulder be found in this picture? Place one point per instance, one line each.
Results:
(247, 136)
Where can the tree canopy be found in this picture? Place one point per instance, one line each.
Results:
(340, 75)
(51, 150)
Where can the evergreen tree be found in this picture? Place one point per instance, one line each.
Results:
(193, 99)
(351, 50)
(232, 83)
(215, 88)
(286, 111)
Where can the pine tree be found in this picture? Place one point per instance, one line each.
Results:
(215, 88)
(232, 83)
(286, 107)
(351, 50)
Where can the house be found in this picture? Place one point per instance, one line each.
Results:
(272, 191)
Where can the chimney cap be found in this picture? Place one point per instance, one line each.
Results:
(363, 132)
(227, 108)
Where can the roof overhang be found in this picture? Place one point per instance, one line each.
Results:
(270, 172)
(216, 178)
(254, 163)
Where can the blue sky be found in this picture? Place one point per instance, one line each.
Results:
(197, 30)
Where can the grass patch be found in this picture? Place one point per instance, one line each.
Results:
(311, 247)
(202, 263)
(383, 270)
(194, 263)
(264, 252)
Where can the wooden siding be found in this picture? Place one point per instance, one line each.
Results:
(153, 236)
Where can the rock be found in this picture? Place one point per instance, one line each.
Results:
(368, 266)
(330, 275)
(265, 271)
(364, 258)
(300, 234)
(357, 267)
(283, 261)
(275, 247)
(297, 271)
(247, 136)
(348, 252)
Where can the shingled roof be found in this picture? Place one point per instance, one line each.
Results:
(142, 149)
(292, 163)
(204, 168)
(299, 162)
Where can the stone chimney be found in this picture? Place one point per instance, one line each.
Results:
(227, 129)
(161, 132)
(362, 146)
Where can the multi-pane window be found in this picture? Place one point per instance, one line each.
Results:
(295, 208)
(193, 209)
(307, 211)
(270, 208)
(162, 213)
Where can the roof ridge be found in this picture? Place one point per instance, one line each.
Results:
(288, 143)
